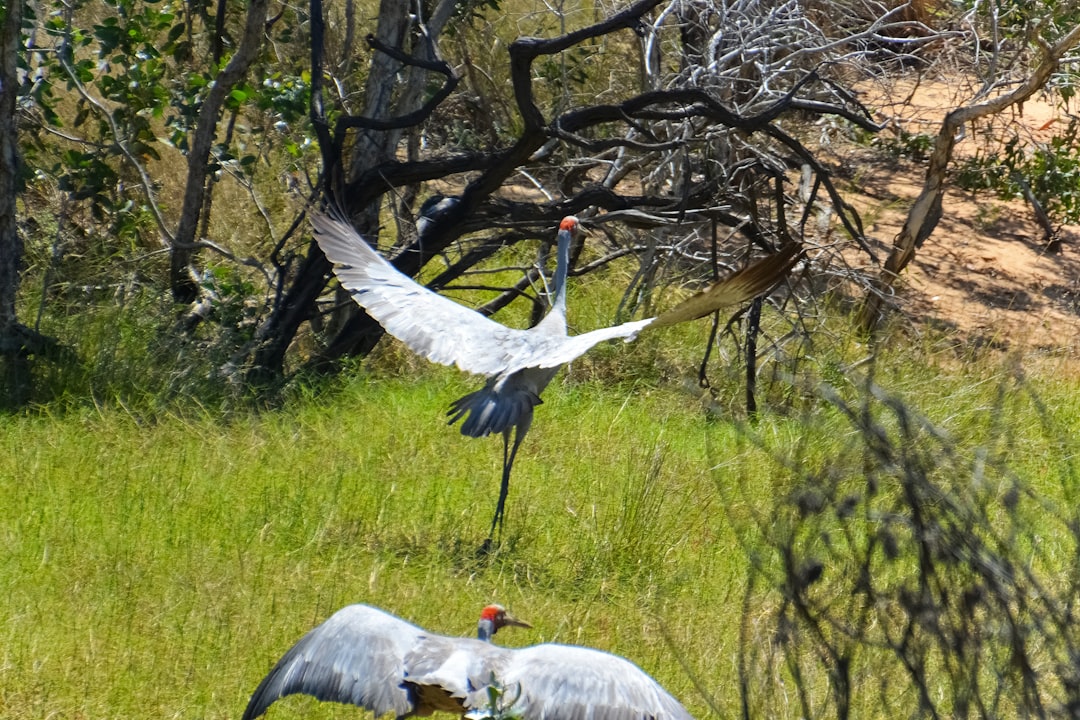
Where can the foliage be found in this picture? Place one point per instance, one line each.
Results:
(500, 702)
(1016, 20)
(912, 146)
(112, 108)
(1051, 171)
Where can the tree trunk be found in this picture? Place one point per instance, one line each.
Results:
(371, 148)
(183, 285)
(17, 342)
(374, 147)
(13, 354)
(10, 245)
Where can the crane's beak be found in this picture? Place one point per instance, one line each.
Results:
(509, 619)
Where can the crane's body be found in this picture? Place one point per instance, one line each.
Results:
(367, 657)
(519, 364)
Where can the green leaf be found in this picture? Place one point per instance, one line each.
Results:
(175, 32)
(84, 70)
(109, 35)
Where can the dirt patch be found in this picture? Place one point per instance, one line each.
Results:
(984, 273)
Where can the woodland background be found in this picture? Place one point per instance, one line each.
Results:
(856, 498)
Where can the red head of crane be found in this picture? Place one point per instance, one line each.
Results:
(519, 364)
(367, 657)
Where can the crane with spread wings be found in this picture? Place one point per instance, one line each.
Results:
(518, 364)
(370, 658)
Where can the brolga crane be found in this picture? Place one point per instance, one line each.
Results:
(367, 657)
(519, 364)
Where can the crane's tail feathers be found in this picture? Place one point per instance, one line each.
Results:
(753, 280)
(491, 411)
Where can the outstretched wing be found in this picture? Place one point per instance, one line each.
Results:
(576, 683)
(740, 286)
(357, 656)
(431, 325)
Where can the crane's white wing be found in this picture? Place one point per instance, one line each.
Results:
(566, 682)
(742, 285)
(556, 350)
(431, 325)
(356, 656)
(448, 333)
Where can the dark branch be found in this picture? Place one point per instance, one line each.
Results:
(331, 155)
(415, 117)
(847, 214)
(524, 50)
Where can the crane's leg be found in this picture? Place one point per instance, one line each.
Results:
(509, 453)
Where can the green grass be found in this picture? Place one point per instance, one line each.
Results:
(158, 567)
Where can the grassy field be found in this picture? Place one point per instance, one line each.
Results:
(157, 566)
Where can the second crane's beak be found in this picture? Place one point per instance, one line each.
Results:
(509, 619)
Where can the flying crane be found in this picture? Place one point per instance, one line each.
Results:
(519, 364)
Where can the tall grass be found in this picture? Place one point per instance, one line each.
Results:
(157, 567)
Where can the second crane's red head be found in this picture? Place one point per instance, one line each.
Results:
(494, 617)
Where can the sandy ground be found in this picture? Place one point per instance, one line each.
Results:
(984, 273)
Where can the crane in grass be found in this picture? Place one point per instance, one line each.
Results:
(519, 364)
(370, 658)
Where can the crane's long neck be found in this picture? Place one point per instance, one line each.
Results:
(562, 269)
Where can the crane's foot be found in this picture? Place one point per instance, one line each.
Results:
(489, 545)
(486, 549)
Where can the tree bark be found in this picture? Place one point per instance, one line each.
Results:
(371, 148)
(17, 342)
(926, 211)
(183, 284)
(10, 244)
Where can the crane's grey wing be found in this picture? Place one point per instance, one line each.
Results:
(565, 682)
(431, 325)
(447, 671)
(356, 656)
